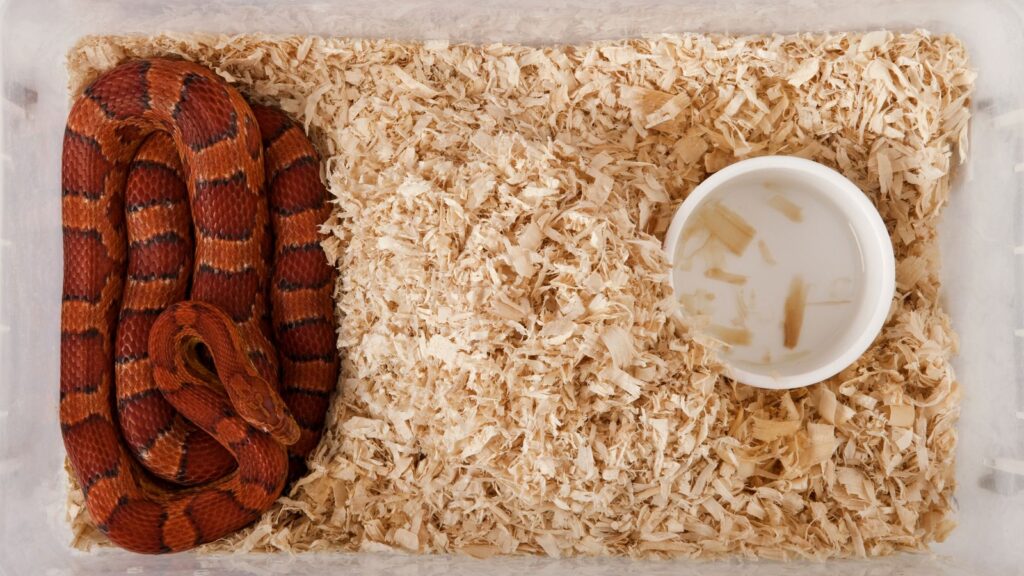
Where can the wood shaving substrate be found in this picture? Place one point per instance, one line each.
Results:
(517, 377)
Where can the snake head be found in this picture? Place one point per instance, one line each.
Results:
(259, 404)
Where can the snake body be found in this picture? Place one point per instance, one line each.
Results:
(198, 347)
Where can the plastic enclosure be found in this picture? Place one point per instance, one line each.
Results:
(982, 234)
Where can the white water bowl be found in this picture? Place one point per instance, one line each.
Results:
(788, 264)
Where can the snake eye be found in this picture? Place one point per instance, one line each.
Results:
(275, 419)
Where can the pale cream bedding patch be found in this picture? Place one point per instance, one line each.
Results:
(517, 378)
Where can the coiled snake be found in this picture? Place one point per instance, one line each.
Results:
(179, 272)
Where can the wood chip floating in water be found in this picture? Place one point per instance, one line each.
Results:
(723, 276)
(727, 226)
(793, 314)
(766, 254)
(786, 207)
(730, 335)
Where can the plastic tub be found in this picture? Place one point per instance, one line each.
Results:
(983, 243)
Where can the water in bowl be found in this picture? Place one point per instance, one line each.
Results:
(772, 268)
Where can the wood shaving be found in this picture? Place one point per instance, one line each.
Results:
(793, 312)
(730, 335)
(727, 227)
(517, 376)
(727, 277)
(766, 253)
(786, 207)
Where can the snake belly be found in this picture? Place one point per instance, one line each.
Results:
(198, 350)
